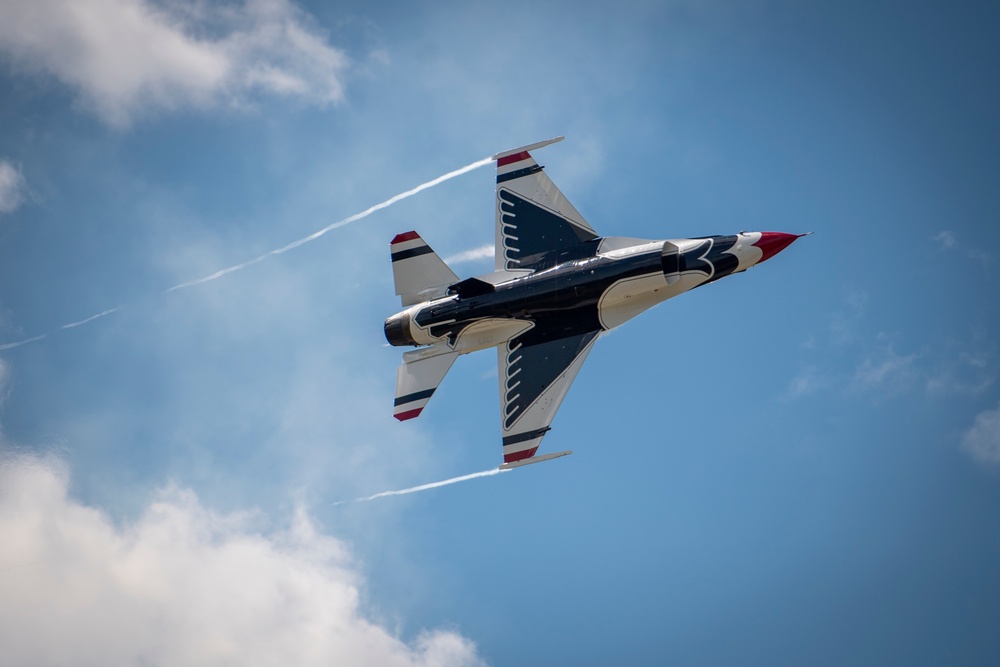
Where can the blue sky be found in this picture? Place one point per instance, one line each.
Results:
(796, 465)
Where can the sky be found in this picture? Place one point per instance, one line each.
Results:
(799, 464)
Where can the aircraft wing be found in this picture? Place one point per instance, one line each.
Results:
(535, 372)
(532, 216)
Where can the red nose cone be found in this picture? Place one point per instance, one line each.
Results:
(771, 243)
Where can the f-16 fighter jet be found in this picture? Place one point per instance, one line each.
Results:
(556, 287)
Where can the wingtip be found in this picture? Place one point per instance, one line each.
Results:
(509, 465)
(409, 414)
(529, 147)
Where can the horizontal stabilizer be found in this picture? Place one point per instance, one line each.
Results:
(534, 459)
(416, 382)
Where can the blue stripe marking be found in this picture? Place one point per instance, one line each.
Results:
(529, 435)
(412, 252)
(415, 396)
(511, 175)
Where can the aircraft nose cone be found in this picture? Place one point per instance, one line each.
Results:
(771, 243)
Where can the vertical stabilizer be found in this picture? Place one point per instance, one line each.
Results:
(417, 271)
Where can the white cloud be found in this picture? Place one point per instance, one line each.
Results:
(809, 381)
(970, 373)
(12, 187)
(182, 585)
(946, 239)
(844, 324)
(984, 258)
(4, 385)
(982, 441)
(127, 57)
(886, 371)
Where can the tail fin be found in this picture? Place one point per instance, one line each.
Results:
(417, 380)
(419, 274)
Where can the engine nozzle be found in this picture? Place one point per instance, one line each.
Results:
(397, 330)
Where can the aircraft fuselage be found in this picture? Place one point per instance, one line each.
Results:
(594, 286)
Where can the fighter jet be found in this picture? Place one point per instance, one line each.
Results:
(557, 286)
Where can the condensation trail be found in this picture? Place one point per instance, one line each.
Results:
(71, 325)
(473, 255)
(91, 318)
(295, 244)
(341, 223)
(425, 487)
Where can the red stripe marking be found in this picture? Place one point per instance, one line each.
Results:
(405, 236)
(519, 456)
(511, 159)
(409, 414)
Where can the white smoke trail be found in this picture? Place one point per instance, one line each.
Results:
(91, 318)
(277, 251)
(341, 223)
(425, 487)
(8, 346)
(473, 255)
(71, 325)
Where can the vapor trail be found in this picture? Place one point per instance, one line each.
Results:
(277, 251)
(473, 255)
(425, 487)
(71, 325)
(8, 346)
(341, 223)
(91, 318)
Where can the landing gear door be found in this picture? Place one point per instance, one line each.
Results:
(671, 262)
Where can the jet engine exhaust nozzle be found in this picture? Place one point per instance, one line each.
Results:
(397, 330)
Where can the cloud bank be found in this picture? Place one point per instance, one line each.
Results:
(129, 57)
(982, 441)
(12, 187)
(180, 586)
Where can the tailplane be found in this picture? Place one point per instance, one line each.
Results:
(418, 378)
